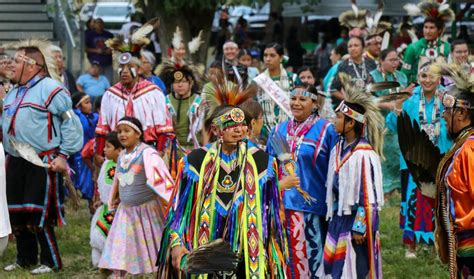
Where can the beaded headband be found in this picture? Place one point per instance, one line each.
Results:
(130, 124)
(232, 118)
(346, 110)
(303, 92)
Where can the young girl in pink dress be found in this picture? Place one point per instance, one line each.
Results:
(140, 193)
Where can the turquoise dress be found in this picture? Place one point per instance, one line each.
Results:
(417, 219)
(391, 166)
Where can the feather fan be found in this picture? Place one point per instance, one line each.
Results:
(209, 258)
(28, 153)
(283, 151)
(420, 154)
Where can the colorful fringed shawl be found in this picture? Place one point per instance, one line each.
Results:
(358, 174)
(254, 227)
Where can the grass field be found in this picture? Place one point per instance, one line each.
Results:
(75, 250)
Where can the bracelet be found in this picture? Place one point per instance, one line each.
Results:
(397, 110)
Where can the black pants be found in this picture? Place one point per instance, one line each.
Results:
(27, 241)
(35, 197)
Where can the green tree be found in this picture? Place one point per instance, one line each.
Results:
(190, 15)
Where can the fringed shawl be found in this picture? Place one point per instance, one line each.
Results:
(149, 106)
(361, 163)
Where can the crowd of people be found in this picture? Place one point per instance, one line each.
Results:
(235, 171)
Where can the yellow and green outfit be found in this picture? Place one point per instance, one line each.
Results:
(235, 197)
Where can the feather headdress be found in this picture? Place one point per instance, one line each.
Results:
(193, 45)
(431, 8)
(364, 20)
(373, 119)
(463, 80)
(220, 94)
(354, 18)
(374, 25)
(177, 38)
(137, 41)
(44, 46)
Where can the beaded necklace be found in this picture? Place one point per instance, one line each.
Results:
(361, 78)
(432, 129)
(296, 133)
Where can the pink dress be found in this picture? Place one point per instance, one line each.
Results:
(144, 186)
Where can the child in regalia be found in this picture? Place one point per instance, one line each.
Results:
(102, 220)
(140, 193)
(355, 188)
(82, 177)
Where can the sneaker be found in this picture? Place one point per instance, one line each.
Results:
(42, 269)
(12, 267)
(410, 254)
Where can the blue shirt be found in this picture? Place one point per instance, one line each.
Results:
(311, 166)
(89, 123)
(411, 106)
(93, 87)
(38, 120)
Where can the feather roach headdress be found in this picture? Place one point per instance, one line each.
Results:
(370, 24)
(44, 46)
(372, 118)
(221, 94)
(137, 41)
(431, 8)
(461, 93)
(374, 24)
(354, 18)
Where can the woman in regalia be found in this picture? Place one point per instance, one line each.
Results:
(310, 139)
